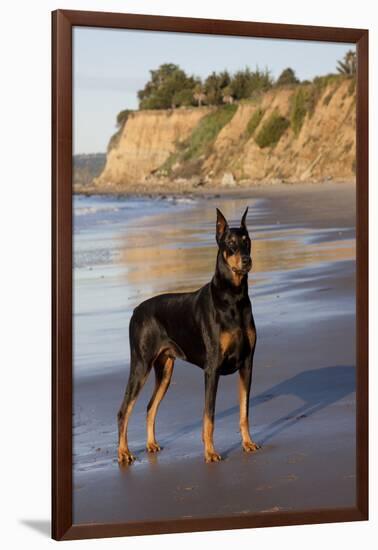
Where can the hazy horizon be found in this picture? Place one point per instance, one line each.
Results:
(110, 66)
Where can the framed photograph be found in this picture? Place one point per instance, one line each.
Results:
(210, 247)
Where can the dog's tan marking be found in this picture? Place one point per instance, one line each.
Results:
(248, 444)
(225, 341)
(228, 338)
(207, 436)
(234, 262)
(244, 424)
(124, 455)
(237, 278)
(161, 387)
(251, 334)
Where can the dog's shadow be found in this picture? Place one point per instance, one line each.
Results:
(317, 388)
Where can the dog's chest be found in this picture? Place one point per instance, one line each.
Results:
(236, 343)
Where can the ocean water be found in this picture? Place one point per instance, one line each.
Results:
(99, 216)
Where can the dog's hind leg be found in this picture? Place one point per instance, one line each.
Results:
(163, 373)
(137, 379)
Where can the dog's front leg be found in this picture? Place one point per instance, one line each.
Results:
(245, 378)
(211, 386)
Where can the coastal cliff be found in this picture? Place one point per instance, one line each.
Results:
(294, 133)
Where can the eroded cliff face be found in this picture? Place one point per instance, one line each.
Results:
(147, 140)
(323, 148)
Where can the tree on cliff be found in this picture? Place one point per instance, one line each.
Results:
(228, 95)
(199, 94)
(348, 65)
(183, 98)
(122, 117)
(214, 85)
(245, 82)
(165, 82)
(287, 77)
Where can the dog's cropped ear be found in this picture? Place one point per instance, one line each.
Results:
(243, 225)
(222, 225)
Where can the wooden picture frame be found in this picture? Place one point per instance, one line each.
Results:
(62, 25)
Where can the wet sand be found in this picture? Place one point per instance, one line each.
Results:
(303, 401)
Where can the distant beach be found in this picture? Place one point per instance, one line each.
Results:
(302, 287)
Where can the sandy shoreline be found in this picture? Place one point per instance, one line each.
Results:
(157, 189)
(303, 405)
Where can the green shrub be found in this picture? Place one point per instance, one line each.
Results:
(347, 147)
(272, 130)
(167, 166)
(188, 153)
(206, 131)
(319, 84)
(183, 98)
(328, 97)
(246, 82)
(299, 107)
(122, 117)
(253, 122)
(306, 97)
(287, 77)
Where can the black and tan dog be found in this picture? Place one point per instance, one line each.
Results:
(212, 328)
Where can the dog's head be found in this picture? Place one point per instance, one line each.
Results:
(234, 244)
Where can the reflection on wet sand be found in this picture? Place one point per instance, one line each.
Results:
(130, 250)
(177, 252)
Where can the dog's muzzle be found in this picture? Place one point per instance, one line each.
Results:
(246, 265)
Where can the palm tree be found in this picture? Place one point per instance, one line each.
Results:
(348, 65)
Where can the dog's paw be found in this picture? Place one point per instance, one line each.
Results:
(125, 457)
(153, 447)
(250, 446)
(212, 457)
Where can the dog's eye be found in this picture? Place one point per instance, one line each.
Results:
(244, 237)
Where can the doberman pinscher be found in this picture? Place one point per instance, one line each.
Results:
(212, 328)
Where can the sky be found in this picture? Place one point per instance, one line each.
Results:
(111, 65)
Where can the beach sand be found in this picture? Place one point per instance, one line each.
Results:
(303, 402)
